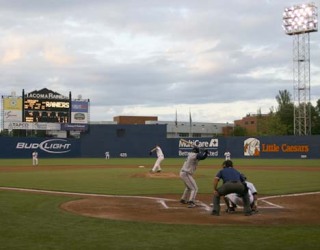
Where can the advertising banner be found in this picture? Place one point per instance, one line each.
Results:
(79, 112)
(74, 127)
(12, 109)
(32, 126)
(46, 147)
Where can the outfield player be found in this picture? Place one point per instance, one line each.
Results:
(160, 158)
(227, 155)
(186, 174)
(35, 158)
(233, 200)
(107, 154)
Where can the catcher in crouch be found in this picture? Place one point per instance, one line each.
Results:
(186, 172)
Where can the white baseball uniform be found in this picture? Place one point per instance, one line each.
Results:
(227, 155)
(35, 158)
(107, 155)
(234, 198)
(160, 158)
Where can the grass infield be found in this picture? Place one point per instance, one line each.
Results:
(34, 221)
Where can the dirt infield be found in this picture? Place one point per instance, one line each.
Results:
(299, 209)
(295, 209)
(278, 210)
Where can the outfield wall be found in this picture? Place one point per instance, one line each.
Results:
(137, 140)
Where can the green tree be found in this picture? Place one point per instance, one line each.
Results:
(315, 119)
(275, 126)
(239, 131)
(285, 112)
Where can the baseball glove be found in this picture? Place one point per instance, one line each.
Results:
(150, 152)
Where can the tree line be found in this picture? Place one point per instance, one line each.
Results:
(280, 120)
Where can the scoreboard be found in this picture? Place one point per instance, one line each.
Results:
(46, 110)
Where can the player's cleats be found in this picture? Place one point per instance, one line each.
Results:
(248, 214)
(191, 204)
(230, 210)
(182, 201)
(215, 213)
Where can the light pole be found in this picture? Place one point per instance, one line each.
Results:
(299, 21)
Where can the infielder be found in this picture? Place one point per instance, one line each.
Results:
(35, 158)
(186, 172)
(160, 158)
(233, 200)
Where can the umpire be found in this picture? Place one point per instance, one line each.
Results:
(233, 182)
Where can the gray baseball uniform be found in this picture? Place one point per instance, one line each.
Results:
(186, 172)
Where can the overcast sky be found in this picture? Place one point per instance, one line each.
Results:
(220, 60)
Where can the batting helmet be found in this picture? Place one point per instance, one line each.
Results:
(195, 150)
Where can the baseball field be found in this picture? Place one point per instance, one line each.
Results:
(118, 204)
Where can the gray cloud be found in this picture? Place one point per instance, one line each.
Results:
(152, 57)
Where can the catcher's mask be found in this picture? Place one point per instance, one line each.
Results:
(195, 150)
(244, 177)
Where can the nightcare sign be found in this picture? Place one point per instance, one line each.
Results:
(211, 145)
(52, 146)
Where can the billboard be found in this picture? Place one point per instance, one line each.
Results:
(32, 126)
(79, 111)
(12, 109)
(46, 106)
(46, 147)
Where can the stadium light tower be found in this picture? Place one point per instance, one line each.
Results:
(299, 21)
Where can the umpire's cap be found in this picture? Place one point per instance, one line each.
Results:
(228, 164)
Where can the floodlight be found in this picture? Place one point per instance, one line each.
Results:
(302, 18)
(299, 21)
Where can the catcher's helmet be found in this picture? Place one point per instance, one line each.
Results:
(244, 177)
(195, 150)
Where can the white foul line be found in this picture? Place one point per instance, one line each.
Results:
(162, 201)
(272, 204)
(82, 194)
(206, 207)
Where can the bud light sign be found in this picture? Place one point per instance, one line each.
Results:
(51, 146)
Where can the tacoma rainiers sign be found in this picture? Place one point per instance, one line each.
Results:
(46, 106)
(45, 94)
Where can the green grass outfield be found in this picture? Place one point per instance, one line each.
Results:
(34, 221)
